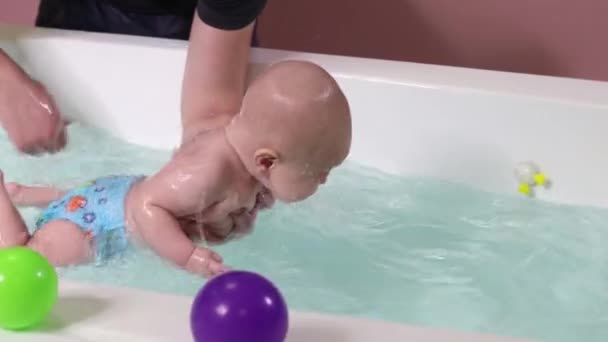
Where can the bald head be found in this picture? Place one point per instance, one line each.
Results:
(294, 127)
(293, 83)
(296, 104)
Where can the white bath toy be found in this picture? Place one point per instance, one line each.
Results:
(529, 175)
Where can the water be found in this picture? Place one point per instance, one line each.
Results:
(417, 251)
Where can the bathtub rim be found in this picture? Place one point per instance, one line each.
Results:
(413, 74)
(130, 314)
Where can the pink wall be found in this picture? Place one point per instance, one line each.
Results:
(552, 37)
(18, 11)
(556, 37)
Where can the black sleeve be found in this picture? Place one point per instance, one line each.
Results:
(229, 14)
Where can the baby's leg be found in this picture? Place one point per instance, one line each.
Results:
(32, 196)
(61, 242)
(13, 231)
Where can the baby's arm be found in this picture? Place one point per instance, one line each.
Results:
(162, 232)
(186, 186)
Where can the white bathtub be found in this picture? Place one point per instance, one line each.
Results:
(457, 124)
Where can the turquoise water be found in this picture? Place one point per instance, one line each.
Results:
(417, 251)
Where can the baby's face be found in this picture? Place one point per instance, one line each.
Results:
(293, 183)
(295, 180)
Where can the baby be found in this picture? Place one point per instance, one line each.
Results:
(293, 128)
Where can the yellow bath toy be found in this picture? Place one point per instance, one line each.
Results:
(540, 179)
(528, 174)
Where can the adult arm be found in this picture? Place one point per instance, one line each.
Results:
(216, 64)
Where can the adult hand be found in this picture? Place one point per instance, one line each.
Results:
(27, 111)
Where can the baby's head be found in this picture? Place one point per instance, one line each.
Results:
(293, 129)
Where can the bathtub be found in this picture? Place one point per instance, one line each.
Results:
(462, 125)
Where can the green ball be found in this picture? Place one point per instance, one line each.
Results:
(28, 288)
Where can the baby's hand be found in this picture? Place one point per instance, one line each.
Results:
(239, 222)
(234, 226)
(206, 263)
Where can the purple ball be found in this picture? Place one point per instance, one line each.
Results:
(239, 306)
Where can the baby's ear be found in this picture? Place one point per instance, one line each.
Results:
(265, 159)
